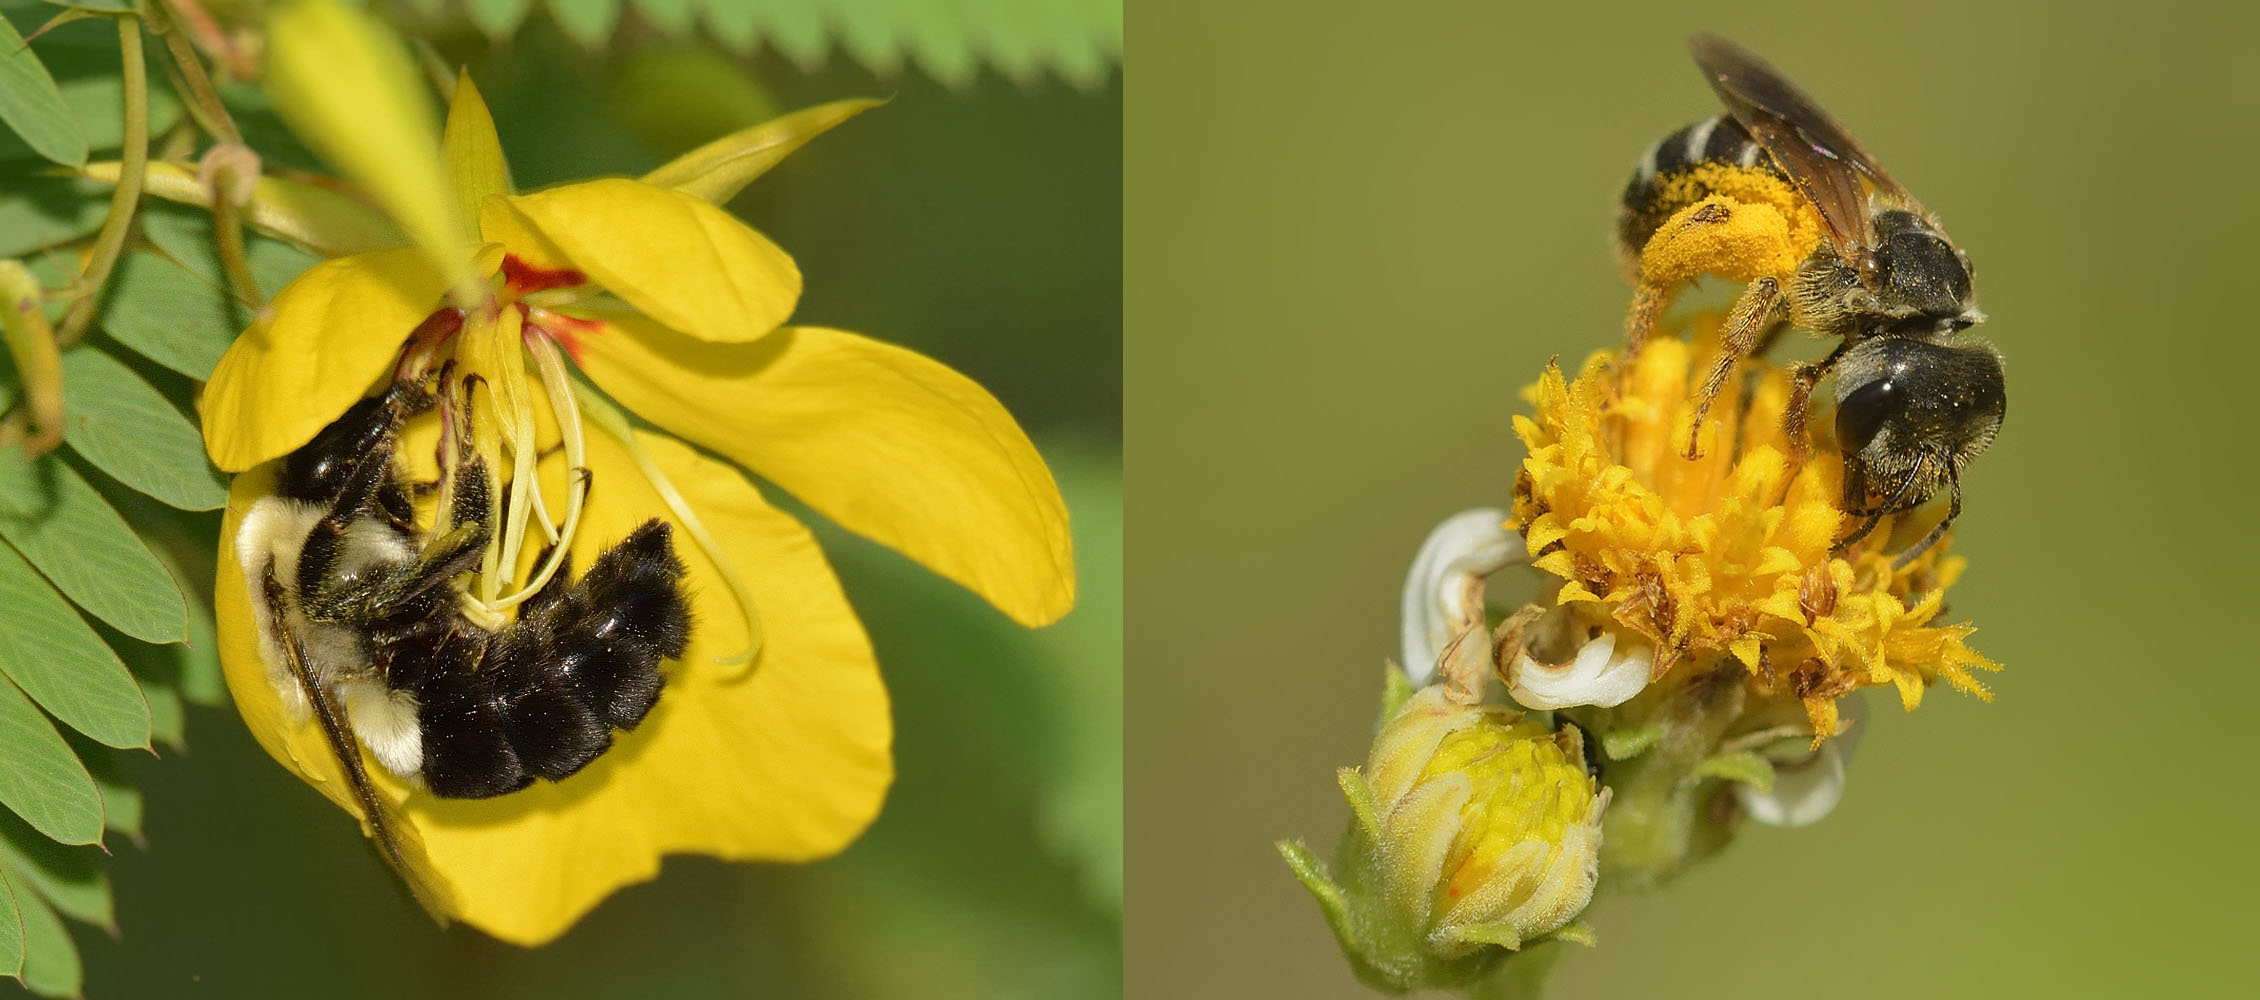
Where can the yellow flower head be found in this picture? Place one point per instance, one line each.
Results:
(562, 309)
(1477, 831)
(1729, 554)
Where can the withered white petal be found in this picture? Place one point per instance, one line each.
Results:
(1467, 546)
(1607, 671)
(1806, 790)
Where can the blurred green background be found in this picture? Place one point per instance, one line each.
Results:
(1356, 231)
(980, 226)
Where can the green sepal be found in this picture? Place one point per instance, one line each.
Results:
(1630, 741)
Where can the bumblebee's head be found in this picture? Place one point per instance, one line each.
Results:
(319, 471)
(1910, 413)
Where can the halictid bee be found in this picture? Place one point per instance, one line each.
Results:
(1916, 401)
(361, 629)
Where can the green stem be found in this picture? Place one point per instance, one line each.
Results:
(227, 230)
(112, 239)
(1655, 824)
(203, 100)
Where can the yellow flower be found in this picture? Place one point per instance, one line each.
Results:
(1727, 557)
(672, 308)
(1476, 831)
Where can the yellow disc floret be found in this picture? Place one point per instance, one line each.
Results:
(1728, 554)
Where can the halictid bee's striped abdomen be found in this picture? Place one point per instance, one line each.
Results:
(1668, 180)
(366, 604)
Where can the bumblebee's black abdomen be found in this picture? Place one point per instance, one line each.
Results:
(1656, 190)
(581, 660)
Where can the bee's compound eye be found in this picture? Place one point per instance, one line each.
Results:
(1862, 412)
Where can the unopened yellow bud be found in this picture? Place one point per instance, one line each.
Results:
(1477, 831)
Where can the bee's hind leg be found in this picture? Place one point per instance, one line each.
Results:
(1756, 311)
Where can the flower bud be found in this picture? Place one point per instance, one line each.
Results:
(1476, 832)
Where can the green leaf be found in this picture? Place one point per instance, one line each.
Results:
(1743, 766)
(51, 967)
(192, 667)
(170, 315)
(588, 22)
(795, 29)
(1074, 40)
(671, 17)
(31, 104)
(66, 876)
(98, 6)
(84, 61)
(11, 931)
(40, 778)
(185, 235)
(48, 651)
(39, 211)
(498, 18)
(168, 721)
(123, 426)
(121, 801)
(1630, 741)
(1080, 813)
(65, 528)
(733, 24)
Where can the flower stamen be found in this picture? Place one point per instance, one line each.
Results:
(555, 382)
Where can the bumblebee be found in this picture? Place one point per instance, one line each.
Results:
(362, 632)
(1777, 195)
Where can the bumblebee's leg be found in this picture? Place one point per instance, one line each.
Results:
(1757, 309)
(1802, 379)
(1953, 510)
(453, 551)
(345, 748)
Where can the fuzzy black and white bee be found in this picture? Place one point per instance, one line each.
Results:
(362, 630)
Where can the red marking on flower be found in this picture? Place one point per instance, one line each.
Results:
(566, 331)
(440, 325)
(521, 278)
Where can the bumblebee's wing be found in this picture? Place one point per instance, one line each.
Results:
(1820, 157)
(347, 748)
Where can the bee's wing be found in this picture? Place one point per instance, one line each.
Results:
(1820, 157)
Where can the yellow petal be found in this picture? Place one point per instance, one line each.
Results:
(890, 444)
(688, 264)
(790, 762)
(318, 219)
(344, 83)
(720, 169)
(473, 151)
(329, 335)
